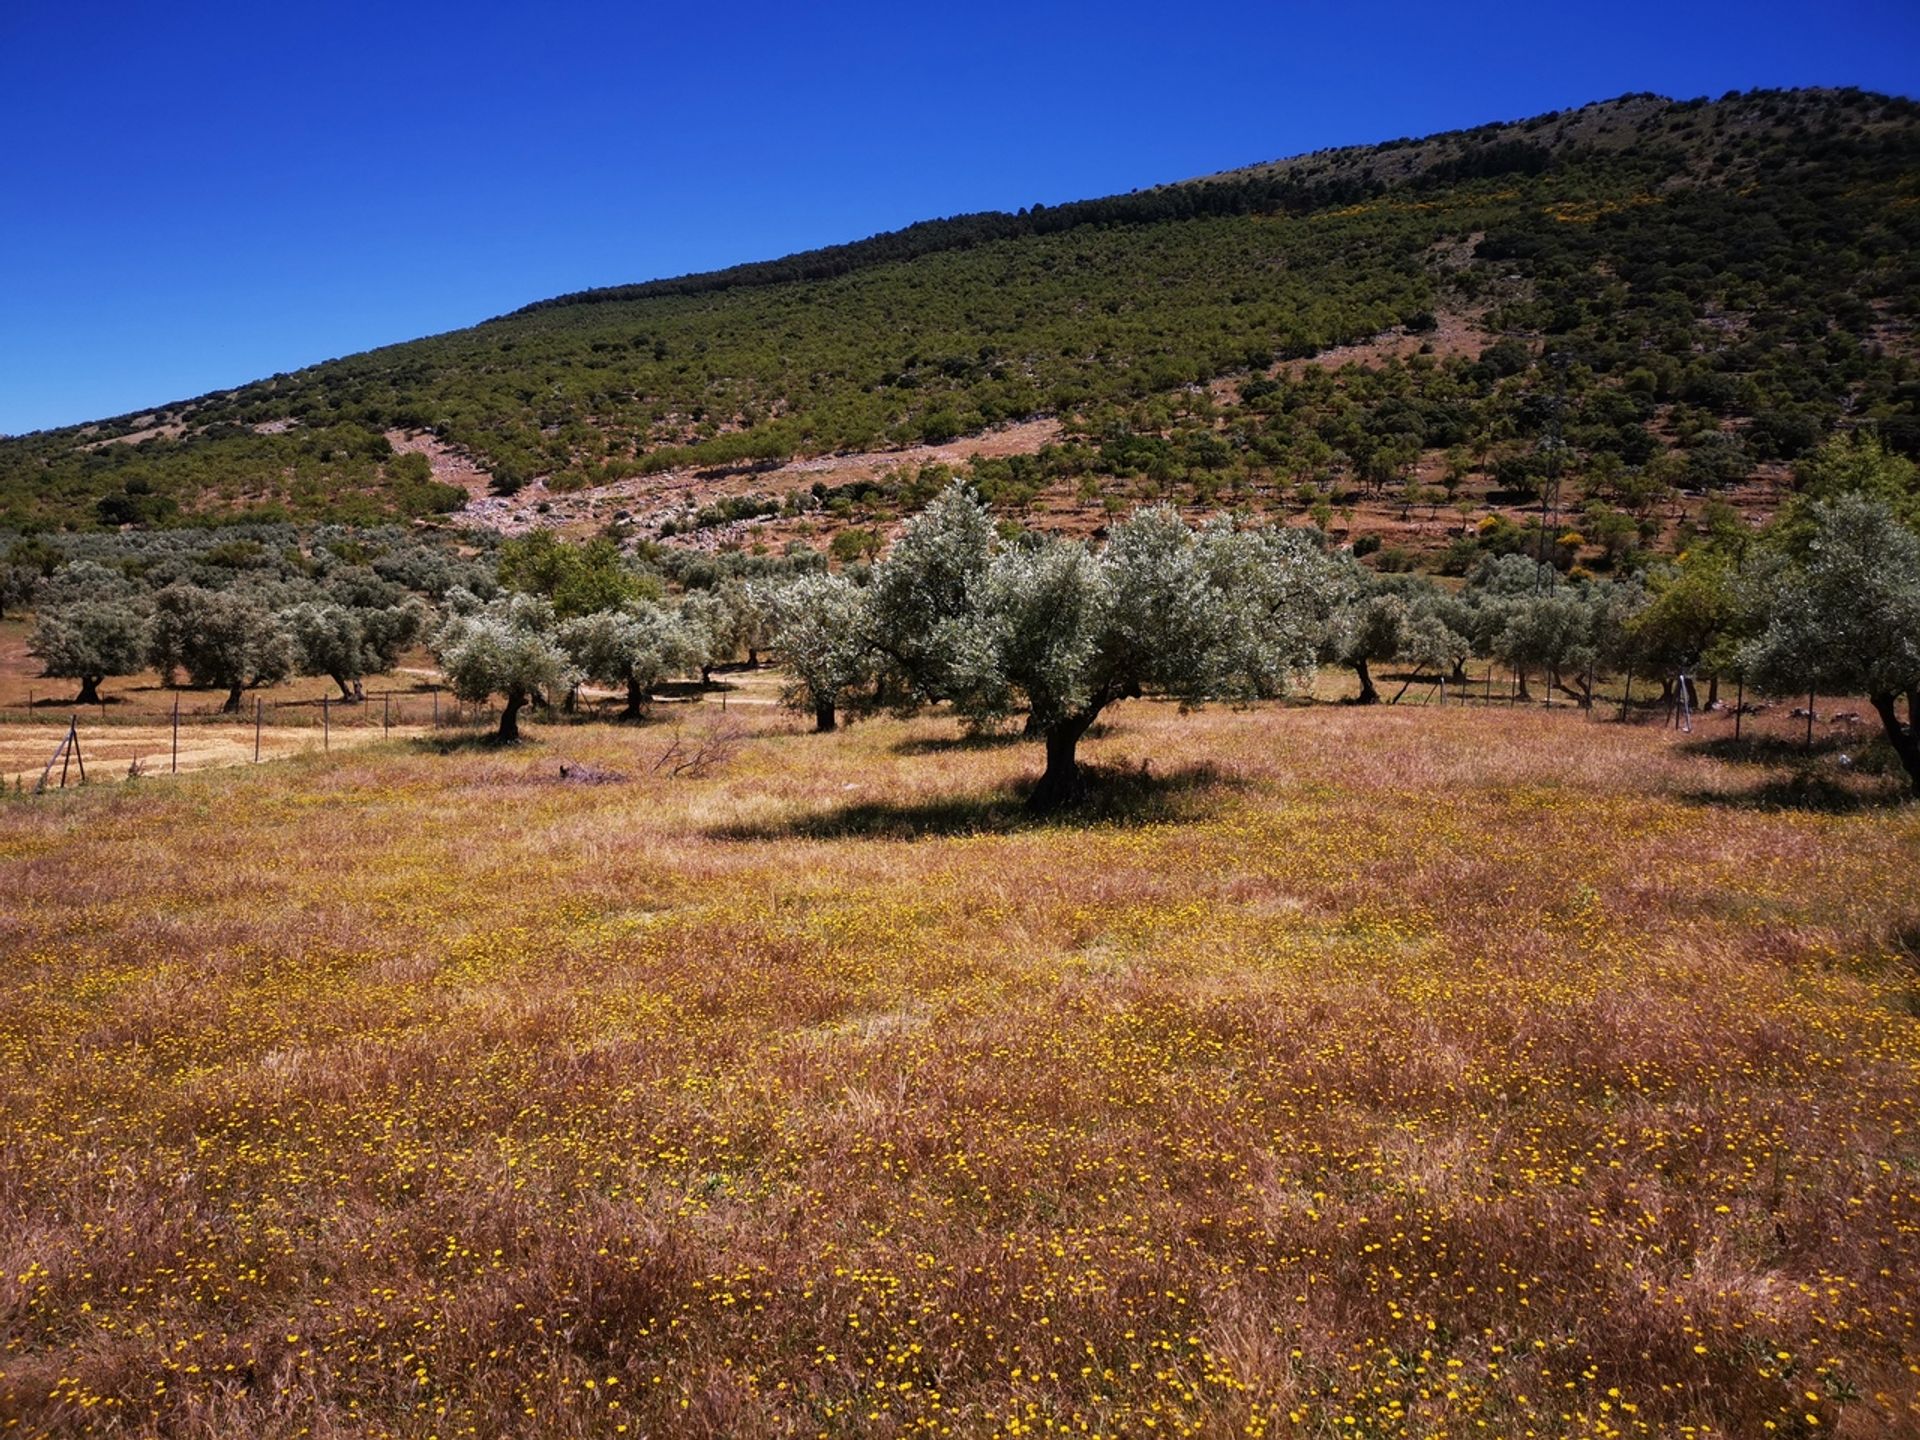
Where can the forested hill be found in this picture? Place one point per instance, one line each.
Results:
(1719, 285)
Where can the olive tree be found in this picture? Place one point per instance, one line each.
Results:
(506, 647)
(347, 644)
(1058, 631)
(1845, 618)
(227, 639)
(818, 627)
(1368, 627)
(635, 647)
(1553, 633)
(88, 641)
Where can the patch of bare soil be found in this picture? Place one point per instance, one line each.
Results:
(648, 501)
(117, 752)
(450, 466)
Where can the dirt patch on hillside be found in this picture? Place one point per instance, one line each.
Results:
(450, 466)
(649, 501)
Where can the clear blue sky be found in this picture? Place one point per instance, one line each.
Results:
(198, 194)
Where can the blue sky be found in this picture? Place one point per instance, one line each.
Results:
(200, 194)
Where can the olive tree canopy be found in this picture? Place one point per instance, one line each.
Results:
(1845, 618)
(507, 647)
(635, 647)
(1058, 631)
(228, 639)
(88, 641)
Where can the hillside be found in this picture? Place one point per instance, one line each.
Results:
(1652, 299)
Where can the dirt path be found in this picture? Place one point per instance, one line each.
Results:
(111, 750)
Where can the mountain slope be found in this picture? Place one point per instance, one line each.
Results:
(1749, 260)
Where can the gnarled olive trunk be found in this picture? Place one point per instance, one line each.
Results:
(1521, 692)
(1061, 783)
(89, 690)
(1905, 739)
(346, 688)
(1368, 694)
(510, 717)
(637, 699)
(824, 717)
(232, 707)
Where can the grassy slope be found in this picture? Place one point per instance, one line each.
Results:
(1421, 1069)
(1074, 322)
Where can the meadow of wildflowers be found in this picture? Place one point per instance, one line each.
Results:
(1344, 1074)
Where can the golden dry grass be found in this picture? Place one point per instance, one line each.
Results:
(1344, 1073)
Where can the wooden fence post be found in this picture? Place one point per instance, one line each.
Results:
(326, 725)
(256, 729)
(176, 733)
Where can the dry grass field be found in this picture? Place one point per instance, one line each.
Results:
(1340, 1073)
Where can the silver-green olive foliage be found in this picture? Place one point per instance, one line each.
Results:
(88, 640)
(819, 627)
(1845, 618)
(229, 639)
(1058, 631)
(636, 647)
(506, 647)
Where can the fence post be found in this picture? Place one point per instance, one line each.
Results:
(386, 714)
(1739, 701)
(326, 725)
(176, 733)
(256, 729)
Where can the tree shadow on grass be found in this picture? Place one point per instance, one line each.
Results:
(1810, 793)
(467, 742)
(1777, 749)
(1842, 774)
(945, 744)
(1115, 796)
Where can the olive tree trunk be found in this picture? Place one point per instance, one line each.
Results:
(637, 698)
(1905, 739)
(1061, 783)
(232, 707)
(510, 717)
(824, 717)
(1368, 694)
(89, 690)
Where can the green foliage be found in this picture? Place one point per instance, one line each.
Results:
(578, 579)
(1639, 243)
(90, 640)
